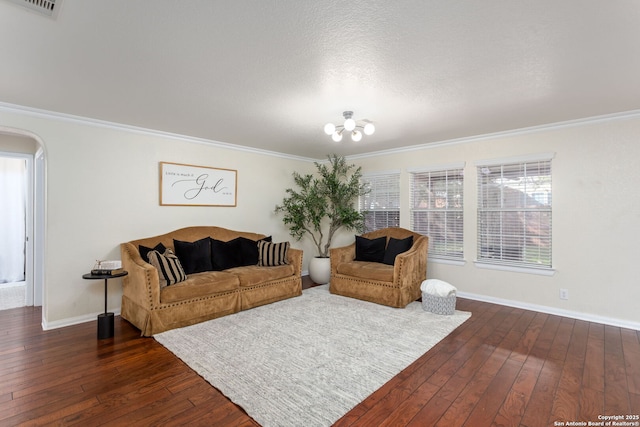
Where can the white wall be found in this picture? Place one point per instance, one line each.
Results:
(102, 189)
(596, 218)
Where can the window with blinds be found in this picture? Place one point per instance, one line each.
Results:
(381, 204)
(514, 213)
(437, 198)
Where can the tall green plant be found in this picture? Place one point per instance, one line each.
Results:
(326, 199)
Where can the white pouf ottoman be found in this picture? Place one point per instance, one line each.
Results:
(438, 297)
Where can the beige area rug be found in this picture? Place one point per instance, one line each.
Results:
(308, 360)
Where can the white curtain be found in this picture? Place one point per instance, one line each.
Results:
(13, 197)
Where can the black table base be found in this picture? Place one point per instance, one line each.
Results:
(105, 325)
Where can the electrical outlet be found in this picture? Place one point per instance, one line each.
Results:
(564, 293)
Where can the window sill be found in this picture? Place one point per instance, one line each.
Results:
(458, 262)
(516, 269)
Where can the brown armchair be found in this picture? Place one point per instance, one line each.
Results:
(393, 285)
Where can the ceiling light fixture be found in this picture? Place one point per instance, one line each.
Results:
(350, 125)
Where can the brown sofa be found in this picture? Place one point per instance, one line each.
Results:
(394, 285)
(203, 295)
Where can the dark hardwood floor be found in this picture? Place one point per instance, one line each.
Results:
(504, 366)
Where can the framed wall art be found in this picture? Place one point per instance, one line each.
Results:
(190, 185)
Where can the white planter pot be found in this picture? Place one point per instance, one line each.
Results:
(320, 270)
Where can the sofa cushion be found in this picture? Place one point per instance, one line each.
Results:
(200, 285)
(194, 256)
(370, 249)
(169, 268)
(253, 275)
(366, 270)
(144, 251)
(396, 247)
(272, 254)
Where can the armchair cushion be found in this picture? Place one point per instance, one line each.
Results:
(370, 249)
(367, 270)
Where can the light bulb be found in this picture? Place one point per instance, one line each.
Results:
(337, 136)
(329, 128)
(369, 129)
(349, 124)
(356, 135)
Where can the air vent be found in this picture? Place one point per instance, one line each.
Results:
(44, 7)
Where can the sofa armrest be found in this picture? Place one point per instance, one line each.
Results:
(340, 255)
(294, 257)
(142, 284)
(410, 267)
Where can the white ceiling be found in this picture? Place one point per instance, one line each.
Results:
(270, 73)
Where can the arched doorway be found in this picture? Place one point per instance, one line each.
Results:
(25, 146)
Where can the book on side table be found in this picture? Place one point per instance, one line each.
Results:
(107, 268)
(107, 272)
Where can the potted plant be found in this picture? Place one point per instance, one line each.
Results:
(321, 205)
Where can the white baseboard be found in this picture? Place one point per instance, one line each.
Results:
(552, 310)
(46, 326)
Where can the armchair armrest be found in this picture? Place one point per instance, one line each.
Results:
(410, 267)
(340, 255)
(142, 284)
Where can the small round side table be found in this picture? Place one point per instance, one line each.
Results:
(105, 320)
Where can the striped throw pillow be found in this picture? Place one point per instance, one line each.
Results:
(170, 270)
(272, 254)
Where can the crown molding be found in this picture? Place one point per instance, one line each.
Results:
(503, 134)
(52, 115)
(70, 118)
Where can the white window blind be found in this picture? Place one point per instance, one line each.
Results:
(381, 205)
(514, 213)
(437, 210)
